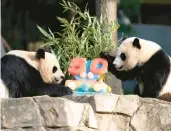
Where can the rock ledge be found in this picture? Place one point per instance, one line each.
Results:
(107, 112)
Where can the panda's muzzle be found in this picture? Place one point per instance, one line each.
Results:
(117, 68)
(120, 67)
(62, 77)
(58, 80)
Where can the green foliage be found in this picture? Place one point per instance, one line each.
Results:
(83, 36)
(130, 7)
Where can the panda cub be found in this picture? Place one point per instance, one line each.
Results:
(145, 61)
(26, 74)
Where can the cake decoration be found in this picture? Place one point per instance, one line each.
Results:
(89, 76)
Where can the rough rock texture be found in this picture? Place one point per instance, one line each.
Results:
(107, 112)
(114, 83)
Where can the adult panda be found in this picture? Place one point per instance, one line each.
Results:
(145, 61)
(25, 74)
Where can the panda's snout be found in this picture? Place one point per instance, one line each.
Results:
(114, 63)
(62, 77)
(59, 78)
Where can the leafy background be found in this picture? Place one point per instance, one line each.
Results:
(84, 36)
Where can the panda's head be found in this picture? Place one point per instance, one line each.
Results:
(49, 67)
(134, 52)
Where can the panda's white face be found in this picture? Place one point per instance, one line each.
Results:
(126, 57)
(49, 69)
(134, 52)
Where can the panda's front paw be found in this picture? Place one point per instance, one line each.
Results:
(107, 57)
(66, 91)
(103, 55)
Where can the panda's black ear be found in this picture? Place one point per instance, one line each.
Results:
(124, 38)
(40, 53)
(136, 43)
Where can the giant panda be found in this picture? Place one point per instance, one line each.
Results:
(26, 74)
(145, 61)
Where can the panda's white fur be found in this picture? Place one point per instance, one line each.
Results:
(145, 61)
(4, 93)
(167, 86)
(41, 66)
(25, 73)
(148, 49)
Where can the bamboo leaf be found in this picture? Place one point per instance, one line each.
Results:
(51, 32)
(44, 32)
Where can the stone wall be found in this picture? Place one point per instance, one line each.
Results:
(107, 112)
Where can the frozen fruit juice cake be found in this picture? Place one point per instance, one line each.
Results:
(89, 75)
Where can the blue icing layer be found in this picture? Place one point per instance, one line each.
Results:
(103, 90)
(79, 89)
(77, 93)
(91, 90)
(84, 88)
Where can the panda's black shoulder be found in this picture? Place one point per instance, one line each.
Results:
(15, 64)
(155, 73)
(14, 68)
(12, 63)
(159, 60)
(157, 68)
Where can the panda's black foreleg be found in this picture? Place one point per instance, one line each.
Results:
(152, 85)
(54, 90)
(136, 90)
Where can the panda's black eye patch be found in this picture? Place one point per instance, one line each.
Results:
(54, 69)
(123, 56)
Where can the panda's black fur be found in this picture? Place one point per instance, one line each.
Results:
(22, 80)
(153, 73)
